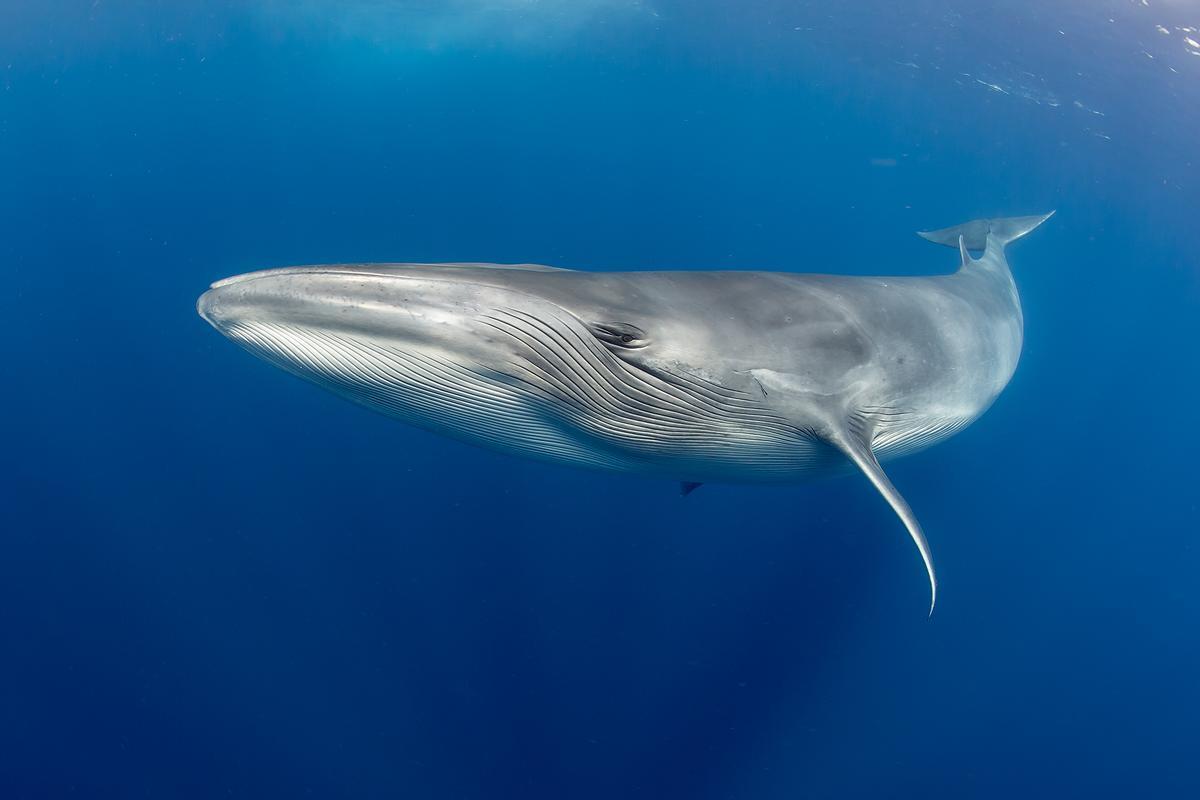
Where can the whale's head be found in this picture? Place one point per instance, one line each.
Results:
(507, 358)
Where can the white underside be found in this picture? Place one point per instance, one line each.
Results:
(589, 411)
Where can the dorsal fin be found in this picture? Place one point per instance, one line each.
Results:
(963, 253)
(856, 446)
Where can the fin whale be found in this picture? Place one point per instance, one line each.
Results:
(698, 376)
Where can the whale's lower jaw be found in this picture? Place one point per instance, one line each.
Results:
(535, 415)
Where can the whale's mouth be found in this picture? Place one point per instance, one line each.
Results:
(430, 389)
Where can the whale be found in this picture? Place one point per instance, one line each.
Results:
(699, 376)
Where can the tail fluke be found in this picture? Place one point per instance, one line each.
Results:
(974, 234)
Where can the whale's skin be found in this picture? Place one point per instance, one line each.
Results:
(699, 376)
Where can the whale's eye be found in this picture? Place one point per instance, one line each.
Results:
(619, 334)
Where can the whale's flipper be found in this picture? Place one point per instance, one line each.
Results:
(856, 446)
(974, 234)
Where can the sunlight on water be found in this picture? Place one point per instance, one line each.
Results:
(453, 22)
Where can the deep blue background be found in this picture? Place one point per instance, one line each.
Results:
(218, 581)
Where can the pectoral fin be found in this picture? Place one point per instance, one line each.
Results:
(858, 450)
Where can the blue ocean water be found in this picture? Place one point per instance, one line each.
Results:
(219, 581)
